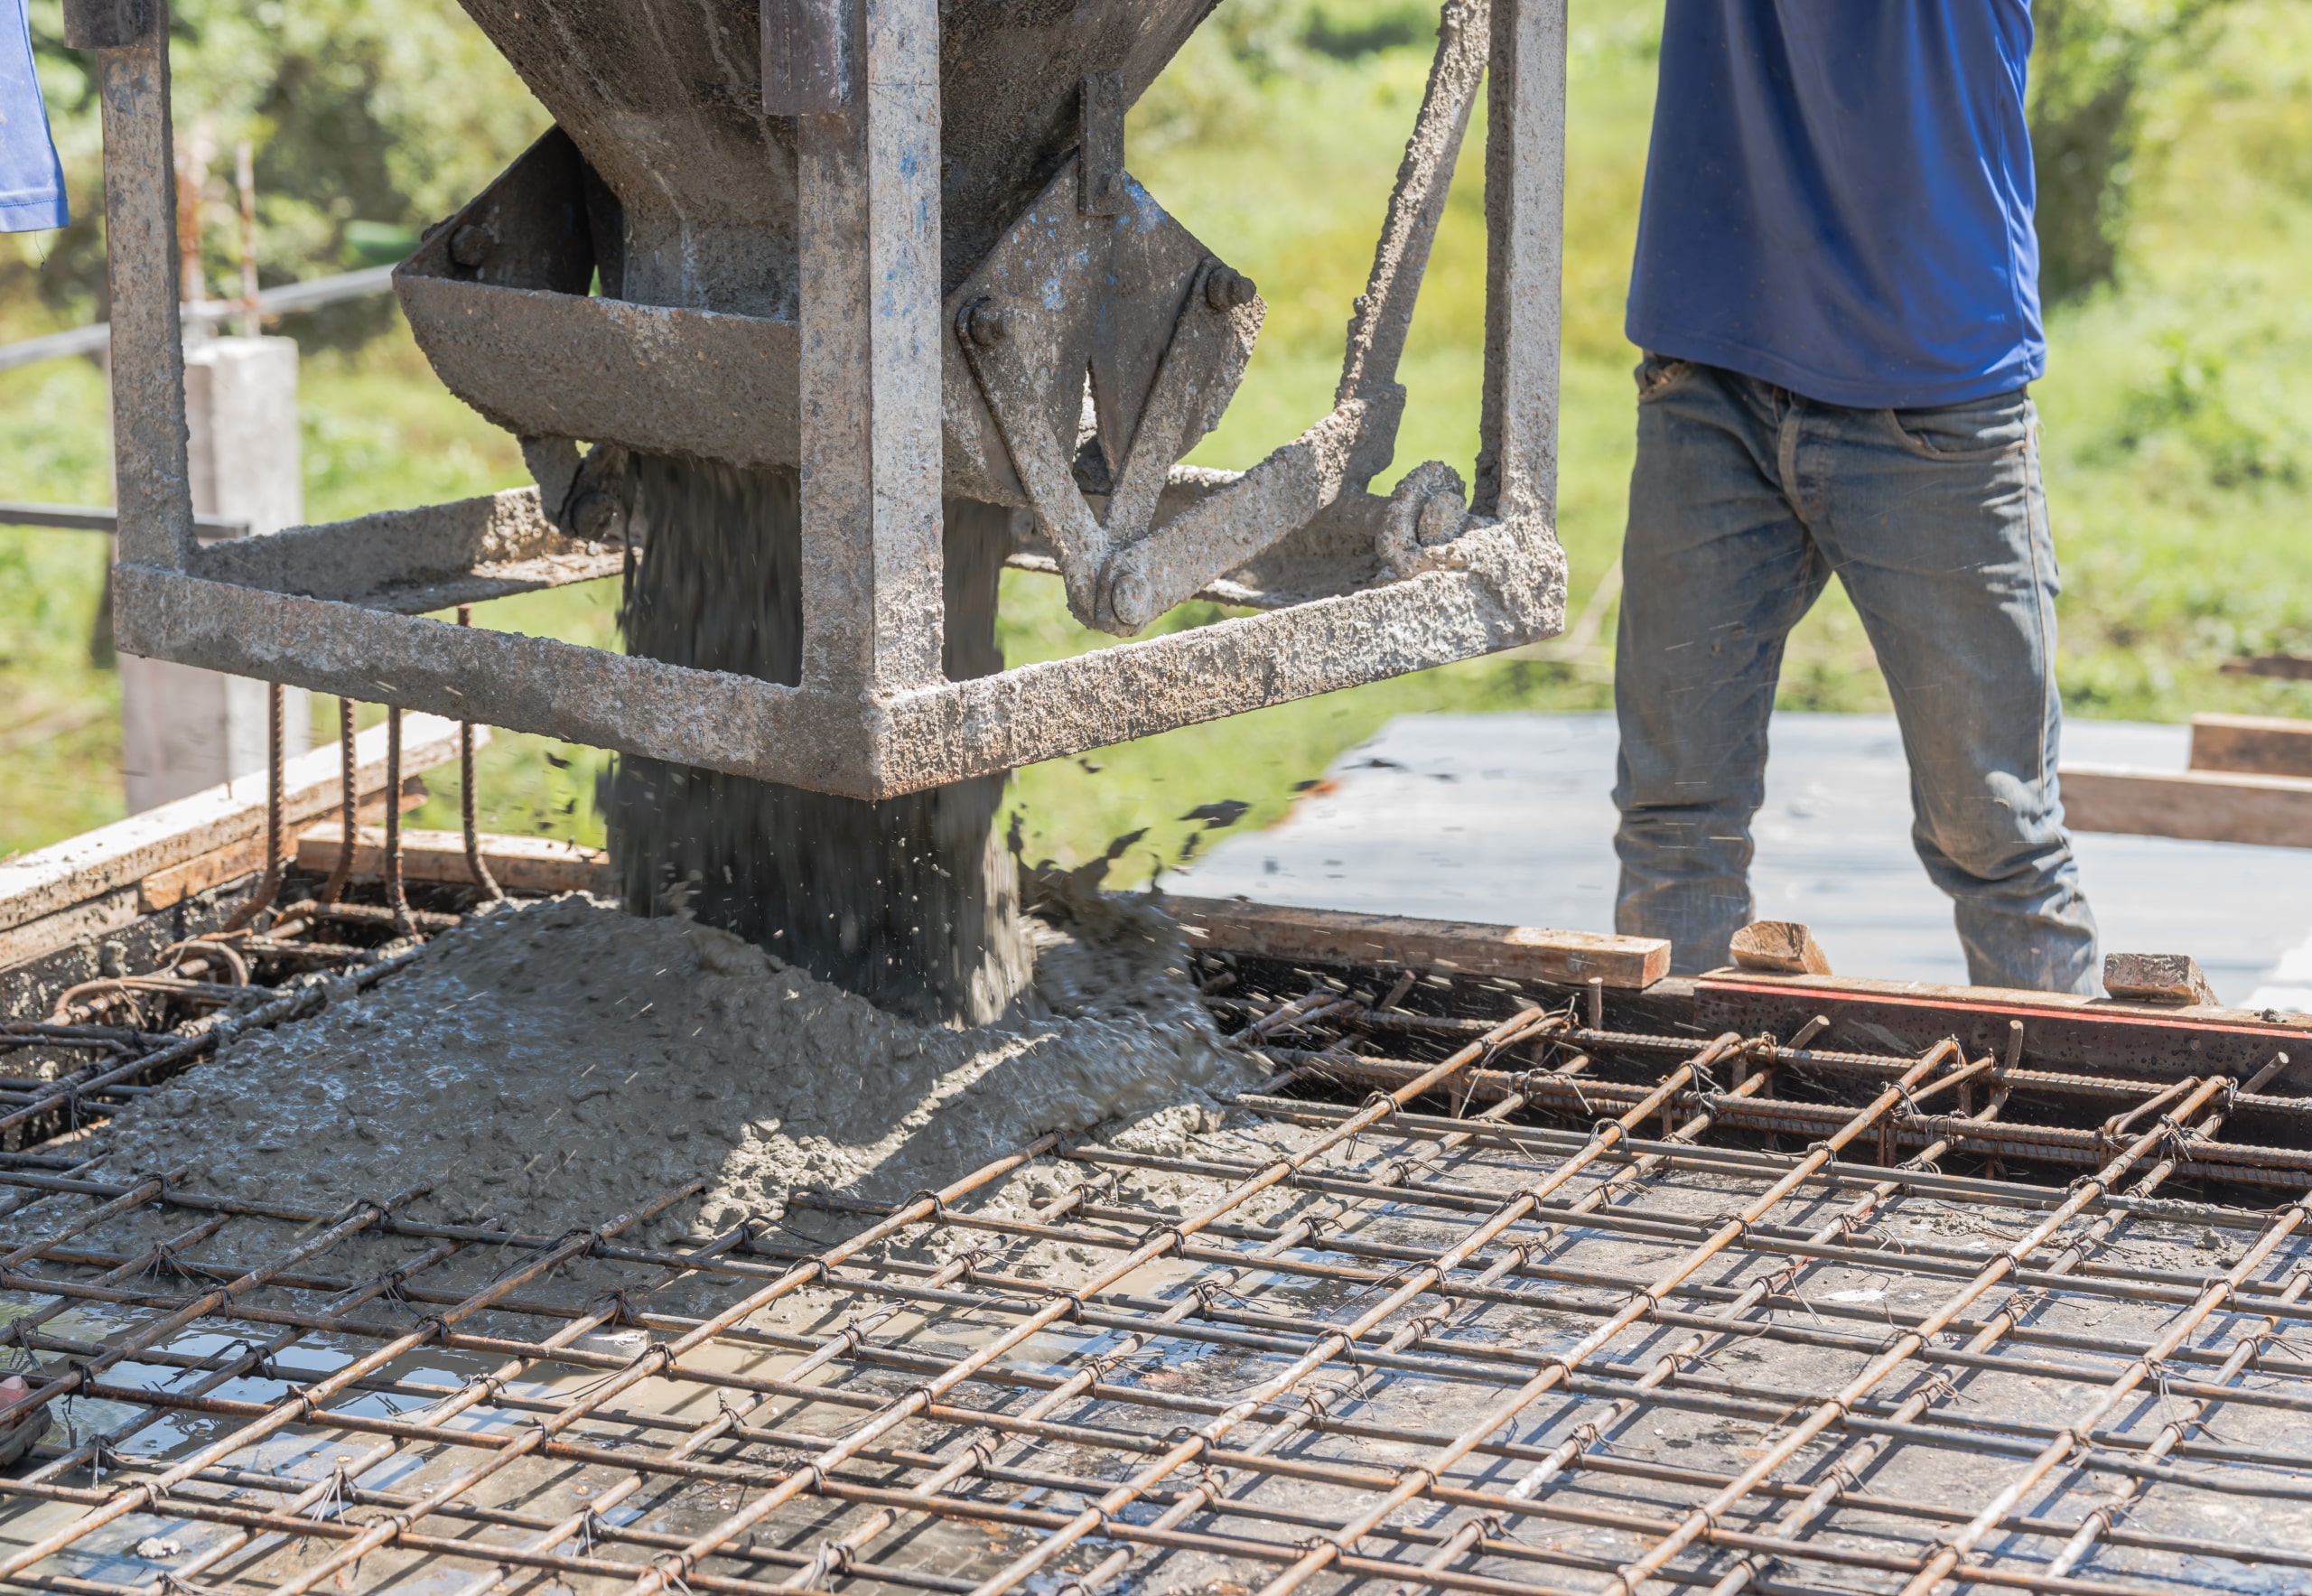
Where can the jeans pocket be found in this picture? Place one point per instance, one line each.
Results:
(1658, 374)
(1981, 429)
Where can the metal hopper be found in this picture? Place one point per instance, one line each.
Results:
(891, 245)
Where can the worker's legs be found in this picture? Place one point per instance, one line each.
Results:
(1719, 569)
(1936, 523)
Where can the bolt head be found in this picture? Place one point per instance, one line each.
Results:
(985, 323)
(596, 517)
(1227, 289)
(1131, 601)
(1440, 519)
(470, 244)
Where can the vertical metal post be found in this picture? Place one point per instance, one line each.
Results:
(869, 176)
(152, 486)
(1525, 203)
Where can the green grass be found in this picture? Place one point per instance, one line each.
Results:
(2179, 466)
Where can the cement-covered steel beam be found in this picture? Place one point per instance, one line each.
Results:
(411, 561)
(152, 473)
(1525, 203)
(873, 603)
(1496, 594)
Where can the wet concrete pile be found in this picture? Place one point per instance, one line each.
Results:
(558, 1063)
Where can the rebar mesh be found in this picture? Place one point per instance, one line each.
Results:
(1430, 1340)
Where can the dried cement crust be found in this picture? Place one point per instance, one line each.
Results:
(557, 1064)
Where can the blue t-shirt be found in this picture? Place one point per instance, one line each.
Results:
(32, 183)
(1838, 199)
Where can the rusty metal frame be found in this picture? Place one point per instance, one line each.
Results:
(874, 716)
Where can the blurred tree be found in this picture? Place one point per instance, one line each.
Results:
(369, 117)
(2089, 67)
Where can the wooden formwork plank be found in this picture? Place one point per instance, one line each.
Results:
(2198, 805)
(43, 893)
(2251, 744)
(1451, 947)
(517, 863)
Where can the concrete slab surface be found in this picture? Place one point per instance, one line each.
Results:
(1510, 818)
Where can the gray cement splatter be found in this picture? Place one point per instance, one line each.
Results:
(558, 1063)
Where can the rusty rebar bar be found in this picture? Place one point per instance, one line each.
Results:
(349, 806)
(482, 879)
(275, 772)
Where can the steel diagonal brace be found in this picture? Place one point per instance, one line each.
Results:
(1082, 541)
(1122, 574)
(1376, 335)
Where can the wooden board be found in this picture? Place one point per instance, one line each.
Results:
(166, 889)
(2060, 1030)
(2199, 806)
(46, 896)
(1449, 947)
(2251, 744)
(2292, 668)
(519, 863)
(1781, 946)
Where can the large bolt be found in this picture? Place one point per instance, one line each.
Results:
(470, 244)
(983, 323)
(1226, 288)
(1131, 601)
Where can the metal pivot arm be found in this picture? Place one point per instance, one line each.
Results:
(1122, 573)
(1201, 351)
(1376, 333)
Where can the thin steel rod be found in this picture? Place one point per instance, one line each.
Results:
(1191, 1298)
(269, 886)
(1163, 1241)
(653, 1360)
(310, 1397)
(1599, 1432)
(487, 883)
(1957, 1546)
(349, 806)
(396, 899)
(1857, 1461)
(2245, 1348)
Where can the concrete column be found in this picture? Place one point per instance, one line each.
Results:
(182, 728)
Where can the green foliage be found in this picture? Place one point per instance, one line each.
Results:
(1348, 30)
(368, 118)
(2188, 405)
(2090, 60)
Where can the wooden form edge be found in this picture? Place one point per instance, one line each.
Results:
(2195, 805)
(517, 863)
(1938, 994)
(2251, 744)
(1529, 952)
(93, 882)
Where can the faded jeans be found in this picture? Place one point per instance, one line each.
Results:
(1745, 500)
